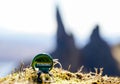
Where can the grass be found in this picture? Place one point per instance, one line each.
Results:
(58, 76)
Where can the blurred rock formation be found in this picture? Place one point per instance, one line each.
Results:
(96, 53)
(65, 51)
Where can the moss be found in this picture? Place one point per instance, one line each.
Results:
(58, 76)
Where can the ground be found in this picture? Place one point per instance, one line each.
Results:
(59, 76)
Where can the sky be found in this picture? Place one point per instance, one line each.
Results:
(27, 23)
(29, 27)
(80, 17)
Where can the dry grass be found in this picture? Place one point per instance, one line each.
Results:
(59, 76)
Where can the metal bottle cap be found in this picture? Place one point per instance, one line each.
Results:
(43, 62)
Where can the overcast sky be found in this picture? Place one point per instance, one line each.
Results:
(24, 22)
(38, 17)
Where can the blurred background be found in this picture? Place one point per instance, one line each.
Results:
(75, 32)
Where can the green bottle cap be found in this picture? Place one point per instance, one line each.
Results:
(43, 62)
